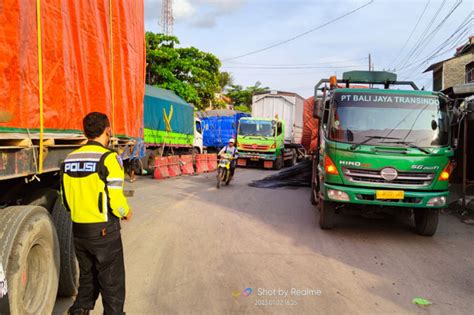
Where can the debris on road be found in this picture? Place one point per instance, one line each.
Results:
(421, 302)
(298, 175)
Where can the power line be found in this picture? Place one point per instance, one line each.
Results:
(425, 41)
(430, 36)
(456, 38)
(421, 38)
(295, 65)
(411, 34)
(300, 35)
(290, 68)
(420, 63)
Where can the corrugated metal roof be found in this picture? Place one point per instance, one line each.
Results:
(276, 93)
(164, 94)
(460, 51)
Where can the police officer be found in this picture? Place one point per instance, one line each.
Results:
(92, 190)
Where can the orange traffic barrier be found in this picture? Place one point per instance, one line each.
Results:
(173, 166)
(211, 162)
(186, 164)
(201, 163)
(161, 168)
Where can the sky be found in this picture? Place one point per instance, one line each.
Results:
(406, 35)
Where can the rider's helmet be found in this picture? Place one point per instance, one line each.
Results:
(232, 140)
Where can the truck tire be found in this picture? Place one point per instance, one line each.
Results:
(327, 214)
(29, 253)
(69, 273)
(294, 158)
(278, 163)
(149, 161)
(426, 221)
(219, 177)
(45, 197)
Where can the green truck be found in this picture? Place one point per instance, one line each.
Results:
(170, 127)
(272, 136)
(381, 149)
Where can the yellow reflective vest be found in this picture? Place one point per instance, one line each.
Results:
(92, 179)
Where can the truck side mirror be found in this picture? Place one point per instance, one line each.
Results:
(317, 108)
(455, 143)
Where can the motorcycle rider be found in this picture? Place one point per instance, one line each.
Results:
(230, 149)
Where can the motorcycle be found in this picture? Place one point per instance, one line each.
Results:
(223, 170)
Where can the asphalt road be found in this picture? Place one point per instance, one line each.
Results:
(193, 249)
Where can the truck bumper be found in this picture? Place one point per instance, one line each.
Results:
(257, 156)
(366, 196)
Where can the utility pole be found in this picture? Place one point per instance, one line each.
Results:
(167, 18)
(370, 63)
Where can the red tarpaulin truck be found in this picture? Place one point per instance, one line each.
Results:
(59, 61)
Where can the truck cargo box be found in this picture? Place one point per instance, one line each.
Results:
(219, 126)
(162, 105)
(93, 59)
(287, 106)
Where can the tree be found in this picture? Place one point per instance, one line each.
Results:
(225, 80)
(242, 98)
(190, 73)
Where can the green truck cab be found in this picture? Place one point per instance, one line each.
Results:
(381, 150)
(262, 140)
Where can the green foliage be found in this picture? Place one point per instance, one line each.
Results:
(243, 108)
(218, 104)
(190, 73)
(225, 80)
(242, 98)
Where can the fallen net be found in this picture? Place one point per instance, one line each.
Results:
(298, 175)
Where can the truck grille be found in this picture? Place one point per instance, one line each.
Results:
(413, 179)
(255, 147)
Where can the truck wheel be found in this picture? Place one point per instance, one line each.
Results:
(426, 221)
(29, 253)
(69, 273)
(149, 161)
(278, 163)
(45, 197)
(327, 214)
(294, 158)
(219, 178)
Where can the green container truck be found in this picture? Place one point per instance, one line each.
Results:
(272, 136)
(381, 150)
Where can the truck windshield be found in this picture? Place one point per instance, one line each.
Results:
(264, 128)
(381, 118)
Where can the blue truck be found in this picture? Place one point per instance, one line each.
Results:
(219, 126)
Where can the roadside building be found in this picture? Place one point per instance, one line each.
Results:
(456, 70)
(455, 78)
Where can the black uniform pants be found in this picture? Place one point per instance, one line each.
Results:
(101, 271)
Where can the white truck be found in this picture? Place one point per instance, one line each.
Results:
(272, 136)
(285, 106)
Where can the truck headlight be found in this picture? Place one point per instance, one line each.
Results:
(437, 201)
(338, 195)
